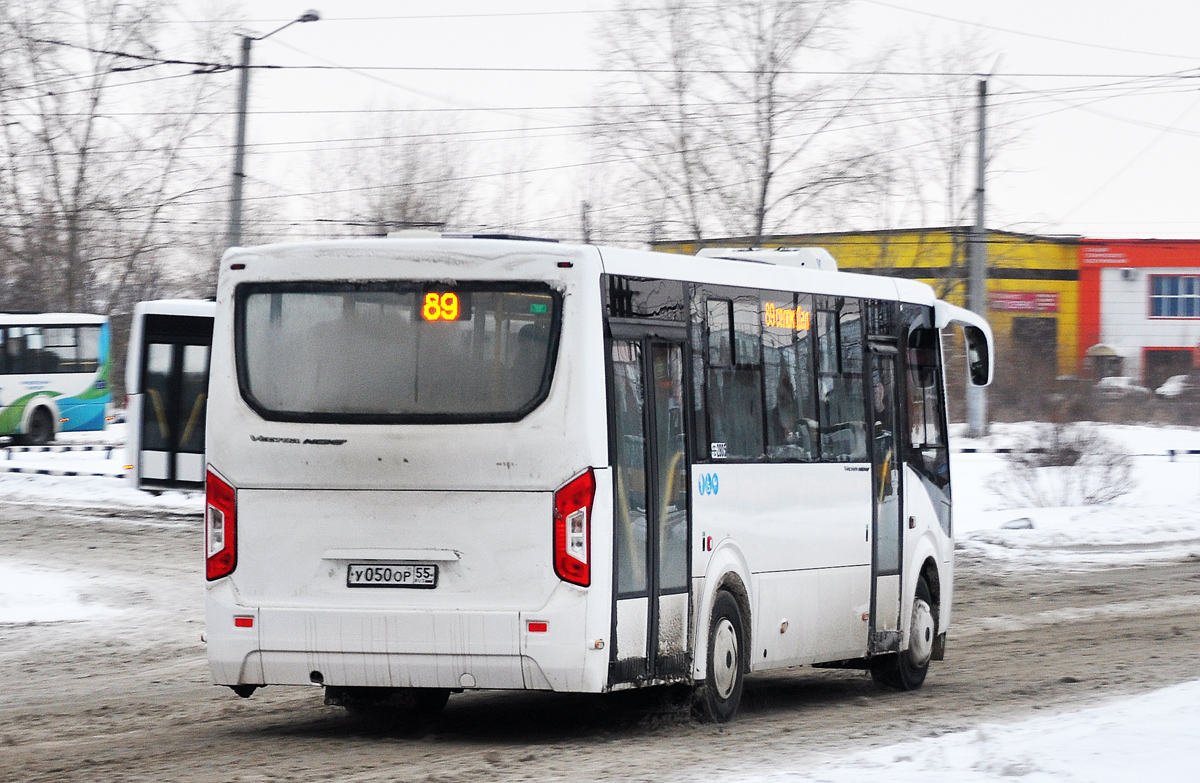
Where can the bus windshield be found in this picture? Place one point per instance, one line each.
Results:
(395, 352)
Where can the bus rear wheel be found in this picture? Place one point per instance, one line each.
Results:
(906, 670)
(41, 428)
(716, 699)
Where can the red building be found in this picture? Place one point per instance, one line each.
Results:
(1139, 307)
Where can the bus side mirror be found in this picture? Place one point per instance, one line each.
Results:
(978, 336)
(978, 364)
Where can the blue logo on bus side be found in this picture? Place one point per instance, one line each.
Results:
(709, 485)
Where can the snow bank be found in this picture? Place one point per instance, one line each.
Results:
(1155, 736)
(96, 492)
(1157, 520)
(107, 491)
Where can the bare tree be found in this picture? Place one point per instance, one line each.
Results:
(712, 107)
(653, 115)
(95, 152)
(399, 174)
(787, 157)
(941, 140)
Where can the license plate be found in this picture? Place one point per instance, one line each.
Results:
(422, 575)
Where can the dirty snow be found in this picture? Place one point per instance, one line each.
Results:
(30, 595)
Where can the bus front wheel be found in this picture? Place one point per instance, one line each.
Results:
(41, 428)
(906, 670)
(717, 698)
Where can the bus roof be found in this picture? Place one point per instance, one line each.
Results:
(53, 319)
(196, 307)
(756, 273)
(751, 272)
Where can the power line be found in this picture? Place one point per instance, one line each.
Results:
(204, 66)
(1027, 34)
(1163, 132)
(702, 105)
(1195, 73)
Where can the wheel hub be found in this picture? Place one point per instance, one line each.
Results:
(725, 658)
(921, 633)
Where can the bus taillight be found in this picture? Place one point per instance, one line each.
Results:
(572, 529)
(220, 528)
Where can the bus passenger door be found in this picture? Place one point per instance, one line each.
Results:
(174, 388)
(886, 511)
(650, 510)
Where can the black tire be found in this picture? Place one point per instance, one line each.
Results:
(716, 699)
(41, 428)
(906, 670)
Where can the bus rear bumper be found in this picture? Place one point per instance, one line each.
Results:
(543, 650)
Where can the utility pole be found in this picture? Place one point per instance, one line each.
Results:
(239, 151)
(977, 416)
(234, 234)
(585, 216)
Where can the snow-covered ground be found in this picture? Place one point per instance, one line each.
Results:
(1152, 736)
(31, 595)
(1157, 520)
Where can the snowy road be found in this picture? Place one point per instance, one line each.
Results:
(122, 693)
(1065, 636)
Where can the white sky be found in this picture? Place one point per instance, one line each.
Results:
(1092, 160)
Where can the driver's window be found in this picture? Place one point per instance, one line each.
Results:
(925, 404)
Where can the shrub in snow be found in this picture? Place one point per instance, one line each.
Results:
(1064, 465)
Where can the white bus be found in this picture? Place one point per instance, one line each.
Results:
(166, 386)
(446, 464)
(54, 370)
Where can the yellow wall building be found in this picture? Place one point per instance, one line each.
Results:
(1033, 301)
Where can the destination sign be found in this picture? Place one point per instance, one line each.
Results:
(776, 317)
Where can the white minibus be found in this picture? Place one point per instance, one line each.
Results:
(456, 463)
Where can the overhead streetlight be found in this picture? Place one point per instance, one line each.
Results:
(239, 152)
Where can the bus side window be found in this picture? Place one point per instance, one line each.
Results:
(89, 348)
(14, 343)
(788, 378)
(699, 431)
(720, 335)
(61, 349)
(843, 407)
(734, 379)
(28, 357)
(747, 332)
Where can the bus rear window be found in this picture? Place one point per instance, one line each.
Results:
(396, 352)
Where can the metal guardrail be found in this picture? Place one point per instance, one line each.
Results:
(1170, 454)
(107, 448)
(50, 472)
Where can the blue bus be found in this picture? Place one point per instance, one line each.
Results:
(54, 375)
